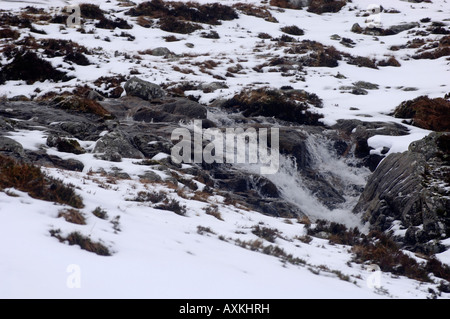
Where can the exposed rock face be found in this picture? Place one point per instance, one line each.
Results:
(143, 89)
(414, 188)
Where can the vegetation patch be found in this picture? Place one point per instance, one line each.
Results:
(381, 249)
(27, 66)
(100, 213)
(85, 243)
(293, 30)
(191, 11)
(430, 114)
(91, 11)
(255, 11)
(80, 104)
(174, 206)
(273, 103)
(106, 23)
(30, 179)
(73, 216)
(322, 6)
(8, 33)
(172, 24)
(213, 210)
(269, 234)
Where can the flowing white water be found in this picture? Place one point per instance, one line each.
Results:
(337, 172)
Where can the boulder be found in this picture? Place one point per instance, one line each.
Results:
(116, 145)
(143, 89)
(412, 187)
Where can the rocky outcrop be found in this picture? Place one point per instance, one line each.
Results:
(413, 188)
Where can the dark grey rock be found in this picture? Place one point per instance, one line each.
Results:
(151, 176)
(411, 187)
(116, 143)
(8, 145)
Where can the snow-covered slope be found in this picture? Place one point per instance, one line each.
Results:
(156, 253)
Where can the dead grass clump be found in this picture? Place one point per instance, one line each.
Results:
(30, 179)
(57, 47)
(174, 206)
(434, 54)
(100, 213)
(190, 11)
(79, 104)
(8, 19)
(269, 234)
(85, 243)
(213, 210)
(322, 6)
(255, 11)
(73, 216)
(286, 4)
(106, 23)
(293, 30)
(381, 250)
(362, 62)
(337, 233)
(29, 67)
(91, 11)
(154, 197)
(8, 33)
(391, 61)
(172, 24)
(430, 114)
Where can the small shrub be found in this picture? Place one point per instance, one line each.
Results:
(293, 30)
(174, 206)
(263, 35)
(363, 62)
(105, 23)
(210, 35)
(154, 197)
(85, 243)
(389, 62)
(213, 210)
(269, 234)
(202, 230)
(100, 213)
(171, 24)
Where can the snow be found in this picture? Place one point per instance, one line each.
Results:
(158, 254)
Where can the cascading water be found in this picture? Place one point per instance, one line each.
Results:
(343, 174)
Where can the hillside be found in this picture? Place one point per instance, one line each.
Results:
(94, 205)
